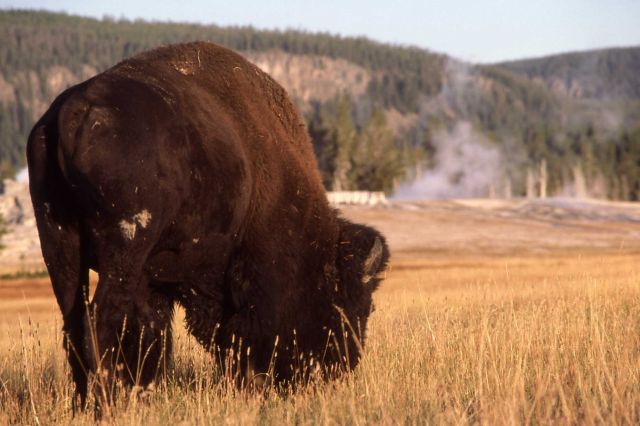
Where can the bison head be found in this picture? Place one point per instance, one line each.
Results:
(362, 256)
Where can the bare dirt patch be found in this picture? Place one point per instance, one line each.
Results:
(503, 227)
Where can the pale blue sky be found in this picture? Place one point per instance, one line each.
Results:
(477, 31)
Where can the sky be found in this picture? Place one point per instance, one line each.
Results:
(472, 30)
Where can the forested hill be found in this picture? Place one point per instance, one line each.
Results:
(42, 52)
(378, 114)
(611, 73)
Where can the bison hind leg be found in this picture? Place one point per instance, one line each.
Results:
(132, 324)
(70, 281)
(71, 284)
(154, 316)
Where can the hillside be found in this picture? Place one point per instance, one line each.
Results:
(598, 86)
(378, 114)
(314, 67)
(596, 74)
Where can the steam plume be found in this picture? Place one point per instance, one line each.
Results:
(466, 165)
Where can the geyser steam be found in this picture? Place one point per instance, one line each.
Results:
(465, 165)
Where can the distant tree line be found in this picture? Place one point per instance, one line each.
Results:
(596, 74)
(585, 161)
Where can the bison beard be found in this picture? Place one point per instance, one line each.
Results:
(185, 175)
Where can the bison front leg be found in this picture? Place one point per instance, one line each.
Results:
(244, 352)
(229, 325)
(217, 326)
(130, 333)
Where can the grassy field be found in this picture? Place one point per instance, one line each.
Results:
(458, 336)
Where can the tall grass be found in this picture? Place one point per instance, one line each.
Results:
(475, 340)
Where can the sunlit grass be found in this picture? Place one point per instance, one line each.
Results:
(472, 340)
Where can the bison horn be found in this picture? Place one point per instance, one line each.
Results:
(372, 263)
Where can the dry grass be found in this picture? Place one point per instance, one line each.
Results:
(475, 339)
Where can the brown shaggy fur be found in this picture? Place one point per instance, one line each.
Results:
(185, 175)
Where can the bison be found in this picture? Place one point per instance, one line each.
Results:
(184, 175)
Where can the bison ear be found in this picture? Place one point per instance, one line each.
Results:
(363, 254)
(371, 265)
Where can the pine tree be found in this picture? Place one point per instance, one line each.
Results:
(323, 144)
(344, 134)
(376, 160)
